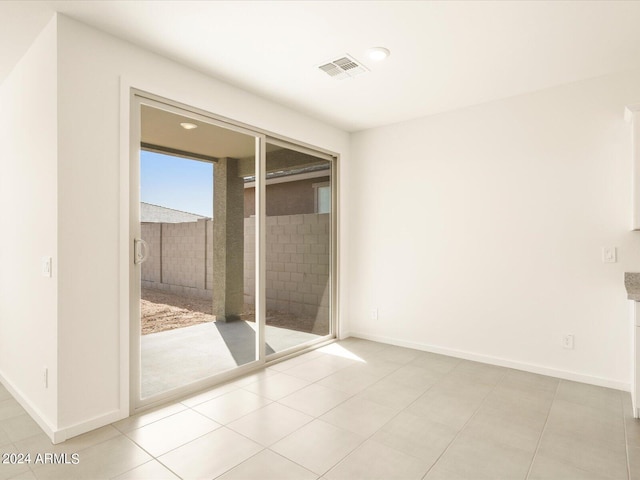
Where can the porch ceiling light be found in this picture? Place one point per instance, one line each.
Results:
(188, 126)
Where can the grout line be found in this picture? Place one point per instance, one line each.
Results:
(465, 423)
(544, 427)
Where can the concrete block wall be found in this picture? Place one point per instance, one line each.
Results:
(151, 268)
(297, 264)
(297, 261)
(179, 258)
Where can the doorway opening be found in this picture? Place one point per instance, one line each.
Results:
(233, 248)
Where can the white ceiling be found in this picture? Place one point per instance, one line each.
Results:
(445, 54)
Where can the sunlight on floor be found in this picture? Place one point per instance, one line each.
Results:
(340, 351)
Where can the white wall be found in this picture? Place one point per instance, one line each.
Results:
(28, 195)
(479, 232)
(91, 68)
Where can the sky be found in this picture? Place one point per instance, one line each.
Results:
(176, 183)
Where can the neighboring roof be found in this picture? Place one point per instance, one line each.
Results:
(150, 213)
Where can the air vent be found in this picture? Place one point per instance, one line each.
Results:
(343, 67)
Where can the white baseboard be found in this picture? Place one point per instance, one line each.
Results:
(91, 424)
(31, 409)
(57, 435)
(501, 362)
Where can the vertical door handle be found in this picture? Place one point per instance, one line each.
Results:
(140, 251)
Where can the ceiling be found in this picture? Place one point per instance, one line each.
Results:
(444, 54)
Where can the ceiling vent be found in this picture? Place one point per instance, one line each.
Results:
(343, 67)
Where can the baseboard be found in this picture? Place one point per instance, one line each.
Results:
(32, 410)
(89, 425)
(501, 362)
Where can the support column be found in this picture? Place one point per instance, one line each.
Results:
(228, 240)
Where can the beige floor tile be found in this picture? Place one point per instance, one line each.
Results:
(590, 395)
(268, 465)
(315, 369)
(349, 380)
(9, 408)
(171, 432)
(274, 387)
(210, 455)
(318, 446)
(147, 417)
(210, 394)
(532, 401)
(269, 424)
(416, 436)
(595, 457)
(252, 378)
(463, 386)
(41, 443)
(374, 461)
(152, 470)
(435, 362)
(545, 468)
(285, 365)
(479, 372)
(505, 427)
(413, 376)
(4, 393)
(19, 466)
(634, 462)
(586, 423)
(20, 427)
(391, 394)
(24, 476)
(632, 426)
(231, 406)
(105, 460)
(529, 381)
(397, 354)
(450, 409)
(4, 438)
(360, 416)
(477, 458)
(315, 399)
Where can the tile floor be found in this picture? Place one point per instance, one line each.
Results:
(357, 410)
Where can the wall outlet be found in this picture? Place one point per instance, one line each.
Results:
(374, 313)
(567, 342)
(46, 377)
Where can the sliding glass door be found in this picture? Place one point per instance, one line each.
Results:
(232, 250)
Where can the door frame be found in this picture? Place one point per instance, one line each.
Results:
(135, 98)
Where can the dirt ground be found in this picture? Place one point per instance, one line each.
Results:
(163, 311)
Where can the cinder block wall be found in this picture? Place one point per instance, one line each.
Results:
(178, 259)
(297, 264)
(297, 261)
(151, 267)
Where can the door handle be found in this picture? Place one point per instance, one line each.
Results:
(140, 251)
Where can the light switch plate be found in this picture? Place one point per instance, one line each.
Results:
(609, 255)
(46, 267)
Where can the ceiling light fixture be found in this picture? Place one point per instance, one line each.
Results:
(378, 53)
(188, 126)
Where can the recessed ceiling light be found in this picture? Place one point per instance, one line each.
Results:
(378, 53)
(188, 126)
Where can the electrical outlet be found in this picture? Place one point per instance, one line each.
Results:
(46, 377)
(568, 342)
(374, 314)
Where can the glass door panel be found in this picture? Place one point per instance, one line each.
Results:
(197, 292)
(298, 195)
